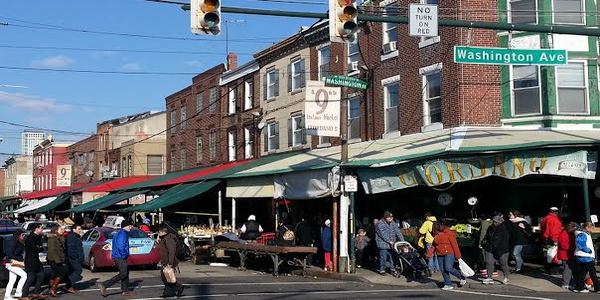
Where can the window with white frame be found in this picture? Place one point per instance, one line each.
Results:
(199, 148)
(231, 145)
(199, 102)
(272, 136)
(423, 39)
(324, 55)
(173, 161)
(154, 164)
(248, 143)
(129, 166)
(232, 100)
(213, 100)
(390, 30)
(354, 118)
(296, 131)
(183, 117)
(272, 84)
(324, 140)
(569, 11)
(353, 56)
(522, 11)
(183, 157)
(296, 67)
(432, 98)
(212, 143)
(572, 88)
(526, 90)
(248, 94)
(50, 181)
(173, 121)
(391, 107)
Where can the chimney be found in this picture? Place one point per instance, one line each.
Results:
(231, 61)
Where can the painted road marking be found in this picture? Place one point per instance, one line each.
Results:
(501, 295)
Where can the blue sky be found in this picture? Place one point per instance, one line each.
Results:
(76, 102)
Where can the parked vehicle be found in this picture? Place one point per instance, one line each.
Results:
(7, 226)
(97, 248)
(46, 225)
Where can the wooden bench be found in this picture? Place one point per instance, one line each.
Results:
(278, 254)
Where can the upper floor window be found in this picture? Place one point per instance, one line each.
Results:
(183, 157)
(212, 143)
(248, 142)
(522, 11)
(296, 78)
(173, 121)
(271, 84)
(199, 148)
(296, 133)
(173, 161)
(354, 118)
(390, 30)
(183, 117)
(272, 137)
(391, 107)
(231, 145)
(324, 54)
(155, 164)
(572, 88)
(248, 94)
(199, 102)
(526, 90)
(569, 11)
(432, 98)
(232, 100)
(213, 100)
(353, 56)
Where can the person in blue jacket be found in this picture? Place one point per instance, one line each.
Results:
(327, 244)
(584, 257)
(120, 253)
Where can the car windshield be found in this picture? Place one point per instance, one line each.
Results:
(133, 234)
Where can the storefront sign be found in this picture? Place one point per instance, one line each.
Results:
(504, 56)
(63, 175)
(322, 111)
(511, 165)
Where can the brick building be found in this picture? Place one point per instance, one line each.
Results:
(19, 175)
(2, 182)
(47, 156)
(83, 156)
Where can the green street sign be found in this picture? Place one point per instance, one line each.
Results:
(503, 56)
(341, 80)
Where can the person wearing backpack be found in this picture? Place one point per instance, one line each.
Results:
(168, 259)
(426, 241)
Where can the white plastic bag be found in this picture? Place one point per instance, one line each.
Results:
(465, 270)
(552, 252)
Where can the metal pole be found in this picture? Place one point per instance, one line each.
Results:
(233, 214)
(220, 209)
(575, 30)
(586, 199)
(352, 235)
(334, 228)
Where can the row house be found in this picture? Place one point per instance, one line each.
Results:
(83, 159)
(2, 182)
(19, 175)
(47, 156)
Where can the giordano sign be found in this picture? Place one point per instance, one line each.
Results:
(510, 165)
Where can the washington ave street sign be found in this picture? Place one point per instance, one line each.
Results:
(341, 80)
(503, 56)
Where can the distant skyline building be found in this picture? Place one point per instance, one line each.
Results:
(30, 139)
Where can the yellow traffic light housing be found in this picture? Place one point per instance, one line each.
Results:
(343, 22)
(206, 16)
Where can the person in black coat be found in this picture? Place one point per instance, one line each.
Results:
(33, 266)
(520, 231)
(14, 249)
(496, 245)
(74, 253)
(303, 233)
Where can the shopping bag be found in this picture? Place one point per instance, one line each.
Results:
(169, 274)
(465, 270)
(551, 254)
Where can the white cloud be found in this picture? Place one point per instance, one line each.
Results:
(32, 103)
(60, 61)
(193, 63)
(131, 67)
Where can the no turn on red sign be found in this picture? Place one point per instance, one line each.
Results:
(423, 20)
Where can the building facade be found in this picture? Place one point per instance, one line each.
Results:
(19, 178)
(30, 139)
(47, 156)
(2, 182)
(83, 160)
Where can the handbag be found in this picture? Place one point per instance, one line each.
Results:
(465, 270)
(551, 254)
(17, 263)
(169, 273)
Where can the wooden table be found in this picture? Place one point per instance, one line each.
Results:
(278, 254)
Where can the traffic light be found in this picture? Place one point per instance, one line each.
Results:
(206, 16)
(343, 22)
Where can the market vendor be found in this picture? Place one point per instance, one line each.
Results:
(251, 230)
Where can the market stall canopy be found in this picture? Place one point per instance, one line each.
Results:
(32, 206)
(54, 204)
(115, 184)
(49, 193)
(105, 201)
(252, 187)
(175, 195)
(8, 200)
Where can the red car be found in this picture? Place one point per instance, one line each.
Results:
(97, 248)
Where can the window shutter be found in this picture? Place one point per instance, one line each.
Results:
(289, 77)
(290, 133)
(265, 86)
(302, 74)
(276, 136)
(303, 126)
(266, 138)
(276, 83)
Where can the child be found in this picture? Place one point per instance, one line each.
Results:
(361, 242)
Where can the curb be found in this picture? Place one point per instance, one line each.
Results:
(327, 275)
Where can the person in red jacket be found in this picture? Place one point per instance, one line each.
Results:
(551, 227)
(566, 253)
(446, 248)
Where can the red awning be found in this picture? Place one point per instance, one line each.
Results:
(203, 172)
(49, 193)
(115, 184)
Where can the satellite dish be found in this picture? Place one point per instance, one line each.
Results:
(445, 199)
(89, 173)
(472, 201)
(261, 125)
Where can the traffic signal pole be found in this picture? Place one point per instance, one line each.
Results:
(574, 30)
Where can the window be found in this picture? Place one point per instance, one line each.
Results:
(272, 137)
(231, 145)
(522, 11)
(391, 107)
(124, 167)
(173, 125)
(354, 118)
(569, 11)
(183, 158)
(232, 100)
(324, 140)
(433, 98)
(50, 182)
(199, 148)
(572, 90)
(353, 56)
(248, 94)
(248, 142)
(155, 164)
(173, 161)
(212, 141)
(199, 102)
(324, 55)
(296, 131)
(129, 166)
(271, 84)
(213, 100)
(526, 90)
(390, 30)
(183, 117)
(296, 76)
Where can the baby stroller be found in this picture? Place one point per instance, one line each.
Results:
(409, 258)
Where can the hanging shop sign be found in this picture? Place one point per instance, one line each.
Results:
(322, 110)
(510, 165)
(63, 175)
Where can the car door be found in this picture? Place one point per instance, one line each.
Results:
(87, 244)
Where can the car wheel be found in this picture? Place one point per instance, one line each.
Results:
(93, 267)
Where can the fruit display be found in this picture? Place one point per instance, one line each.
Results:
(202, 231)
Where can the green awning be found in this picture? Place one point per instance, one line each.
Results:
(5, 198)
(54, 204)
(106, 201)
(175, 195)
(159, 179)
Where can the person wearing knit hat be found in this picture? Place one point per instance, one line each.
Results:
(496, 248)
(387, 234)
(119, 254)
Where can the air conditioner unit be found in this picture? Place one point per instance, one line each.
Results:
(389, 47)
(106, 174)
(114, 173)
(353, 66)
(105, 169)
